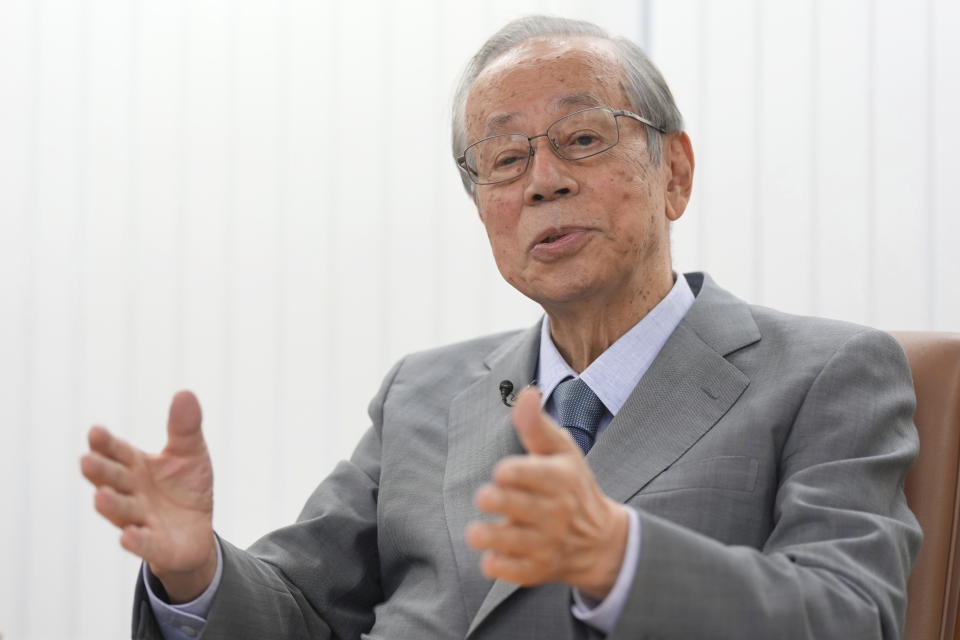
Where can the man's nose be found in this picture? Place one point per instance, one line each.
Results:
(550, 176)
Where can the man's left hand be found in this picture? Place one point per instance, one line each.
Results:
(556, 524)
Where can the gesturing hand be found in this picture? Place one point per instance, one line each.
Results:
(556, 525)
(163, 503)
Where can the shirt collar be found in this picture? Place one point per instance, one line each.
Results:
(614, 374)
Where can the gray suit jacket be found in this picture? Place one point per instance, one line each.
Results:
(764, 452)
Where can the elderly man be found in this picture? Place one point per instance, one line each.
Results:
(722, 470)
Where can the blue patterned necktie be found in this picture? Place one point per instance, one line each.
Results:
(579, 411)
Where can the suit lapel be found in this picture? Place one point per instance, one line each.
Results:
(481, 433)
(683, 394)
(687, 389)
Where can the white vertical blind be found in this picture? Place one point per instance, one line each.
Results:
(942, 130)
(900, 114)
(256, 201)
(843, 150)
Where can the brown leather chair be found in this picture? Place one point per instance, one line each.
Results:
(933, 485)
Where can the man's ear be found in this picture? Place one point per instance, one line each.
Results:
(678, 162)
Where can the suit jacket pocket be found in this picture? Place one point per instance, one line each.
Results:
(731, 473)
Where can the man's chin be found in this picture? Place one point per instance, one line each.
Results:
(563, 295)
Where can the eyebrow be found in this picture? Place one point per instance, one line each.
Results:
(499, 122)
(582, 100)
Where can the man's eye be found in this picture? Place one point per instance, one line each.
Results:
(580, 141)
(507, 159)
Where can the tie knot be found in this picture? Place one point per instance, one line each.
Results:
(578, 407)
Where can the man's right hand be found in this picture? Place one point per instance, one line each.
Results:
(163, 503)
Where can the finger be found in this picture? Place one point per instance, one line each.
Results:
(538, 433)
(137, 540)
(107, 444)
(543, 475)
(101, 470)
(516, 505)
(519, 570)
(184, 435)
(504, 538)
(119, 509)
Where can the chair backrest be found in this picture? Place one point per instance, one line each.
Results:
(933, 485)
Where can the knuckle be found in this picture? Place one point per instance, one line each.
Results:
(556, 512)
(518, 505)
(569, 504)
(543, 557)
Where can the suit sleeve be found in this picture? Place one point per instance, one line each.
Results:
(316, 579)
(843, 542)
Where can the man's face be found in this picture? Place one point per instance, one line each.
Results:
(564, 232)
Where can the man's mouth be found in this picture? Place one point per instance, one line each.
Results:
(552, 235)
(558, 242)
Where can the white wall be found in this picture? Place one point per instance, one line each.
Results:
(255, 200)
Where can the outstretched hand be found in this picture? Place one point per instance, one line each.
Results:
(556, 524)
(163, 503)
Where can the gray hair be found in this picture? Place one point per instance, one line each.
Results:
(643, 83)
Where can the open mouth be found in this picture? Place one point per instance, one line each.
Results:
(554, 234)
(551, 239)
(557, 242)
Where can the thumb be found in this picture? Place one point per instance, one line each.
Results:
(183, 425)
(538, 433)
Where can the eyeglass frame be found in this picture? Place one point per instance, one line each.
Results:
(462, 159)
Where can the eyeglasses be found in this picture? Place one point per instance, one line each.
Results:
(582, 134)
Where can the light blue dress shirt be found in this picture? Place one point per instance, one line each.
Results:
(612, 376)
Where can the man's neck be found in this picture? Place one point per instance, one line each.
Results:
(582, 332)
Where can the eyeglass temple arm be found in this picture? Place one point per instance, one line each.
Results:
(638, 118)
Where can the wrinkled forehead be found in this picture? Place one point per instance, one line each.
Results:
(543, 77)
